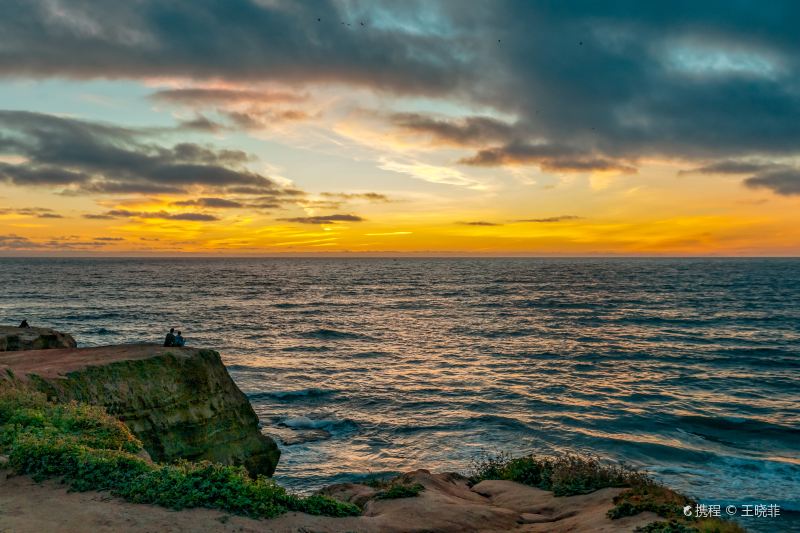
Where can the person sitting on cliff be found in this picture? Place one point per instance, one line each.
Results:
(179, 340)
(169, 340)
(24, 324)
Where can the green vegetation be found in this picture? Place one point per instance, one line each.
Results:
(400, 491)
(390, 488)
(649, 497)
(90, 450)
(707, 525)
(569, 474)
(668, 504)
(565, 475)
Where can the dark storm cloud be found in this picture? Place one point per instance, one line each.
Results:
(785, 182)
(204, 39)
(610, 82)
(324, 219)
(100, 158)
(779, 178)
(633, 78)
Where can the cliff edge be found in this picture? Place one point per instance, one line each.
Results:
(180, 402)
(13, 339)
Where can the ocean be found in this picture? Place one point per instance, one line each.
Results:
(689, 368)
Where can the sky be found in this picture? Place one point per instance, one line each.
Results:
(259, 127)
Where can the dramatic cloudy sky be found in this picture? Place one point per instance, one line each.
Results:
(498, 127)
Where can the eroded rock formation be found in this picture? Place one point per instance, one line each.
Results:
(181, 402)
(13, 339)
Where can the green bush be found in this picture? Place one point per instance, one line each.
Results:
(673, 526)
(400, 491)
(90, 450)
(654, 498)
(564, 475)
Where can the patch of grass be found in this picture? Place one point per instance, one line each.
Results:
(673, 526)
(378, 482)
(708, 525)
(564, 475)
(90, 450)
(652, 497)
(715, 525)
(668, 504)
(400, 491)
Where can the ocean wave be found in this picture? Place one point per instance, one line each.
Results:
(312, 392)
(370, 355)
(494, 334)
(290, 436)
(328, 423)
(737, 427)
(306, 349)
(478, 422)
(740, 480)
(287, 305)
(333, 334)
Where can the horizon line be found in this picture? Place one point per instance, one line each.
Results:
(386, 255)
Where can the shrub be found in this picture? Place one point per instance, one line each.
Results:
(400, 491)
(673, 526)
(564, 475)
(668, 504)
(90, 450)
(713, 525)
(654, 498)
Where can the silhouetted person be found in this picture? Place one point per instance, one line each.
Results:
(24, 324)
(179, 340)
(170, 338)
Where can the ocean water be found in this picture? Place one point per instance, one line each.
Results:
(689, 368)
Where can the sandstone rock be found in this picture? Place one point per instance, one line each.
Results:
(449, 504)
(13, 339)
(354, 493)
(181, 402)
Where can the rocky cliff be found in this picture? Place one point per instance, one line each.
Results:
(12, 339)
(181, 402)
